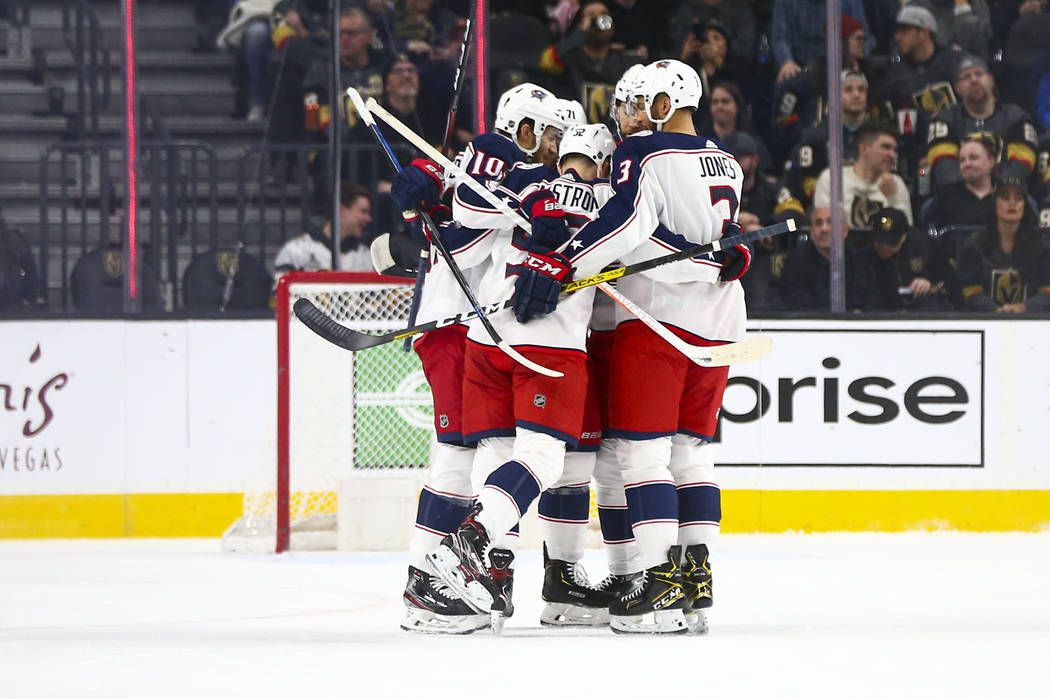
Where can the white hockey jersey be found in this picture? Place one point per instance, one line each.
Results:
(673, 191)
(505, 250)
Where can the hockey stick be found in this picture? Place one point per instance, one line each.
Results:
(450, 127)
(435, 239)
(354, 341)
(518, 220)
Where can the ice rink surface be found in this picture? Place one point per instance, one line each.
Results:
(845, 615)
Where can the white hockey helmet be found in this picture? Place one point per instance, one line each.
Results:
(670, 77)
(573, 113)
(625, 85)
(592, 141)
(528, 101)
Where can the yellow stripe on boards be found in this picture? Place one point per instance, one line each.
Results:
(884, 510)
(743, 511)
(105, 516)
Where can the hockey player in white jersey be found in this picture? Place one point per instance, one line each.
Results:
(663, 407)
(445, 501)
(523, 420)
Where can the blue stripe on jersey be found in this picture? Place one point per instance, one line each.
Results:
(566, 504)
(652, 501)
(616, 526)
(571, 440)
(440, 513)
(475, 437)
(699, 503)
(517, 482)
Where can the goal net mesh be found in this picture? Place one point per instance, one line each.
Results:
(347, 413)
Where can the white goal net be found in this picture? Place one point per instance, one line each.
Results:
(340, 415)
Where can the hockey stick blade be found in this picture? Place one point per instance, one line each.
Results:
(735, 352)
(339, 335)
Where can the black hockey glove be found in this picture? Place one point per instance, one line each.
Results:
(550, 228)
(417, 185)
(735, 262)
(539, 284)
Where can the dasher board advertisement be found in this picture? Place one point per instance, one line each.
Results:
(868, 397)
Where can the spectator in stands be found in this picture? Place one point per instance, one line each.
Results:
(969, 199)
(400, 98)
(870, 183)
(312, 251)
(901, 266)
(801, 101)
(641, 27)
(758, 199)
(798, 32)
(737, 17)
(585, 62)
(728, 113)
(958, 208)
(805, 284)
(1025, 78)
(979, 113)
(964, 24)
(19, 282)
(1006, 266)
(360, 66)
(809, 157)
(705, 49)
(247, 36)
(918, 82)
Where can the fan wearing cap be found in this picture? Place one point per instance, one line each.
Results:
(920, 76)
(809, 156)
(1006, 266)
(980, 113)
(901, 265)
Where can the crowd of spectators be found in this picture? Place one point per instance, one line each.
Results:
(944, 102)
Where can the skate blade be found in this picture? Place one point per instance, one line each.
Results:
(446, 565)
(496, 622)
(665, 621)
(563, 614)
(697, 622)
(423, 621)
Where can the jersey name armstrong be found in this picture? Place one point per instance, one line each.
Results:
(717, 166)
(573, 197)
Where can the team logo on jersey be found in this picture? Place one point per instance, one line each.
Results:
(1007, 287)
(443, 421)
(934, 97)
(539, 400)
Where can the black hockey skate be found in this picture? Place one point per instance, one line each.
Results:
(503, 604)
(431, 607)
(460, 562)
(570, 598)
(654, 601)
(698, 586)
